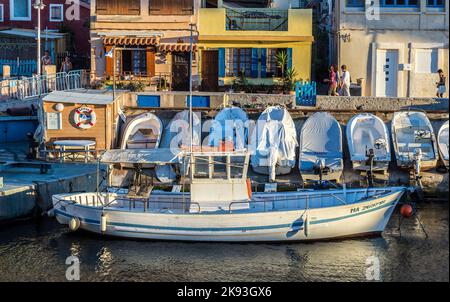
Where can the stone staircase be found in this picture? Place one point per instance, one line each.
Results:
(12, 155)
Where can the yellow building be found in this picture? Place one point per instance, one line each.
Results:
(236, 40)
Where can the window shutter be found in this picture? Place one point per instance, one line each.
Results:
(289, 58)
(134, 6)
(150, 62)
(109, 62)
(254, 70)
(102, 7)
(221, 62)
(263, 62)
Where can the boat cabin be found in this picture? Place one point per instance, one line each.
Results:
(81, 116)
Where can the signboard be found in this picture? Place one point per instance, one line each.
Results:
(54, 121)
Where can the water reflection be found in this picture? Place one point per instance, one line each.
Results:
(28, 253)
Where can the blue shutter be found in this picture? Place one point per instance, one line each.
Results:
(254, 72)
(263, 62)
(289, 58)
(148, 101)
(221, 62)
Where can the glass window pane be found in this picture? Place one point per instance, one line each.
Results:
(21, 8)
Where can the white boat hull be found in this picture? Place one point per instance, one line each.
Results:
(368, 217)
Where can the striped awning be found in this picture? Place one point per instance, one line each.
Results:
(133, 41)
(170, 47)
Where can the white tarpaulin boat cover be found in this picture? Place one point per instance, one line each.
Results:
(275, 139)
(176, 134)
(230, 125)
(367, 131)
(321, 139)
(443, 140)
(160, 156)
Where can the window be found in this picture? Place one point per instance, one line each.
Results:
(426, 60)
(118, 7)
(56, 12)
(238, 60)
(272, 68)
(171, 7)
(401, 3)
(20, 10)
(435, 3)
(1, 13)
(355, 3)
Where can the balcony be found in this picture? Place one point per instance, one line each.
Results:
(256, 20)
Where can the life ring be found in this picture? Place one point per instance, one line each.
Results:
(85, 118)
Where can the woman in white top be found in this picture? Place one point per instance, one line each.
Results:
(345, 82)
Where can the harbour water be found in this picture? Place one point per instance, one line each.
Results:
(31, 251)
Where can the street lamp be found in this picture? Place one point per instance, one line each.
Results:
(39, 5)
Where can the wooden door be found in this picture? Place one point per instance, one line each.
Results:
(210, 70)
(150, 62)
(180, 71)
(109, 62)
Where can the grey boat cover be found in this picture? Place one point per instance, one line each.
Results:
(274, 139)
(175, 134)
(412, 130)
(321, 140)
(160, 156)
(443, 141)
(230, 124)
(367, 131)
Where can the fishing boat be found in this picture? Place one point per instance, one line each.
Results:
(230, 125)
(443, 143)
(368, 143)
(222, 208)
(321, 156)
(414, 141)
(175, 135)
(142, 132)
(274, 140)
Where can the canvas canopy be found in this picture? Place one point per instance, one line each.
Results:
(321, 140)
(275, 139)
(160, 156)
(230, 125)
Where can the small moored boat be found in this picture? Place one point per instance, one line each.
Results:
(275, 141)
(175, 135)
(230, 125)
(414, 141)
(321, 156)
(443, 143)
(223, 208)
(142, 132)
(368, 143)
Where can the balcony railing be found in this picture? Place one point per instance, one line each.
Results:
(256, 20)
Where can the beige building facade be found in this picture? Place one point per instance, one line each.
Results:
(396, 46)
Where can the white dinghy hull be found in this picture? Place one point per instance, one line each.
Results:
(368, 132)
(443, 143)
(257, 223)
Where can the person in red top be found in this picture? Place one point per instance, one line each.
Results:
(332, 82)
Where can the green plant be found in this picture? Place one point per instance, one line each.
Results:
(289, 80)
(241, 82)
(282, 61)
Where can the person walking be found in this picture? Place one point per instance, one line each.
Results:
(66, 66)
(345, 82)
(441, 90)
(46, 59)
(332, 82)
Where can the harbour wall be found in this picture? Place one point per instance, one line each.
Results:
(25, 191)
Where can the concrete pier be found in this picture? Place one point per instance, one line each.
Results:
(26, 190)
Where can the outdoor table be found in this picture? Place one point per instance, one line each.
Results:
(79, 145)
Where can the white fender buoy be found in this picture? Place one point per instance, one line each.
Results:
(103, 223)
(74, 224)
(306, 226)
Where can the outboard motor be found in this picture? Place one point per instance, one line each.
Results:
(370, 154)
(417, 161)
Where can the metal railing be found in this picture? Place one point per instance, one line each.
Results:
(262, 19)
(36, 86)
